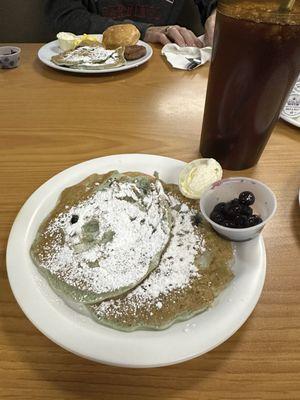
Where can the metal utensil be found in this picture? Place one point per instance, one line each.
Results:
(193, 63)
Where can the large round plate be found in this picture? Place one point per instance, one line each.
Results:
(83, 336)
(50, 49)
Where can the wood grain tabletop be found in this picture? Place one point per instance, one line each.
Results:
(50, 120)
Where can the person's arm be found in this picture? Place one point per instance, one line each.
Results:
(73, 16)
(206, 8)
(210, 29)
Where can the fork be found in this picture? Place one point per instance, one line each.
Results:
(193, 63)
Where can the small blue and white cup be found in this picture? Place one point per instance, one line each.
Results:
(9, 57)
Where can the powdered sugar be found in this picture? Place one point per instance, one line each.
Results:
(90, 55)
(118, 232)
(175, 271)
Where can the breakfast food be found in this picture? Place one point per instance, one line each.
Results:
(120, 36)
(134, 250)
(68, 41)
(90, 57)
(89, 40)
(134, 52)
(105, 235)
(198, 175)
(193, 270)
(236, 213)
(86, 52)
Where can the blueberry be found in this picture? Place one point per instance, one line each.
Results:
(235, 201)
(250, 221)
(232, 210)
(229, 224)
(217, 217)
(196, 219)
(240, 221)
(74, 219)
(258, 219)
(246, 210)
(254, 220)
(220, 207)
(247, 198)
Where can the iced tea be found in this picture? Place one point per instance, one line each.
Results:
(255, 63)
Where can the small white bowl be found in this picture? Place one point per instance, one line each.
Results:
(227, 189)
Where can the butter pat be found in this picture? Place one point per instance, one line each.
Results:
(198, 175)
(67, 41)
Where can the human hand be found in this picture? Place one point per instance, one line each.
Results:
(172, 34)
(209, 29)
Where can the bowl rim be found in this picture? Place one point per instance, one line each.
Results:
(15, 48)
(234, 230)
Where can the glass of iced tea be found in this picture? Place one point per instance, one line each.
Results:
(255, 63)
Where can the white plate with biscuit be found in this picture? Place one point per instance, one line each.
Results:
(81, 335)
(51, 49)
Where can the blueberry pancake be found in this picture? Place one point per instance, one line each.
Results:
(105, 235)
(193, 270)
(90, 57)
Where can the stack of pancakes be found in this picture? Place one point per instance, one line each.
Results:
(133, 250)
(90, 57)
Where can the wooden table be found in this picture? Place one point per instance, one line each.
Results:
(52, 120)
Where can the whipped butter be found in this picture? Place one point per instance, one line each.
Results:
(67, 41)
(198, 175)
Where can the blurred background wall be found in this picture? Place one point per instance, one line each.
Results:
(23, 21)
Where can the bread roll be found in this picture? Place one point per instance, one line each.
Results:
(120, 36)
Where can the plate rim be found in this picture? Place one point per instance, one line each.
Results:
(127, 66)
(10, 254)
(290, 120)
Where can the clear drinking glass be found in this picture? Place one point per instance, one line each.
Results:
(255, 64)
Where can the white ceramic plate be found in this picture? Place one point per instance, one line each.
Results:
(46, 52)
(291, 111)
(292, 121)
(83, 336)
